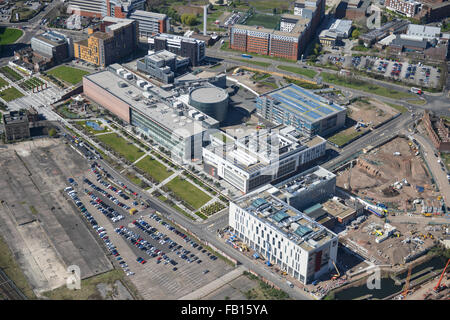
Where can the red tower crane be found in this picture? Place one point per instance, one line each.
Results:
(438, 286)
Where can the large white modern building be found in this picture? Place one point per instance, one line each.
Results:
(157, 113)
(260, 157)
(300, 246)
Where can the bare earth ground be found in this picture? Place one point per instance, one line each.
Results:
(44, 232)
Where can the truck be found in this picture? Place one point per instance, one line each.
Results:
(246, 56)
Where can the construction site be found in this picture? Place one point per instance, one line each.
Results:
(393, 177)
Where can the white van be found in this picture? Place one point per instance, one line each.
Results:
(68, 189)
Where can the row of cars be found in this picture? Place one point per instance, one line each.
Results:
(396, 69)
(356, 61)
(184, 237)
(145, 246)
(106, 194)
(101, 231)
(109, 212)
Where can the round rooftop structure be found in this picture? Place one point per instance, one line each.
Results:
(212, 101)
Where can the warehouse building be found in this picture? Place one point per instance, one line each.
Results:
(261, 157)
(282, 235)
(190, 48)
(109, 41)
(157, 113)
(309, 113)
(340, 29)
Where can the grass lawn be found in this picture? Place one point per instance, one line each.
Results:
(121, 146)
(134, 179)
(3, 83)
(341, 138)
(10, 73)
(257, 63)
(188, 192)
(302, 71)
(263, 20)
(400, 108)
(154, 168)
(364, 86)
(66, 113)
(9, 35)
(360, 48)
(305, 85)
(10, 94)
(68, 74)
(88, 288)
(9, 266)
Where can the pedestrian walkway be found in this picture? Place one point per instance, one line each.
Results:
(214, 285)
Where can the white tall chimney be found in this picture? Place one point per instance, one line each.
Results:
(205, 18)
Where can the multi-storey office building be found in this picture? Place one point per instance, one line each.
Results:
(88, 8)
(103, 8)
(52, 45)
(191, 48)
(408, 8)
(261, 157)
(289, 41)
(16, 125)
(153, 111)
(283, 235)
(150, 23)
(309, 113)
(162, 65)
(111, 40)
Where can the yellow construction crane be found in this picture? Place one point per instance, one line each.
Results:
(335, 276)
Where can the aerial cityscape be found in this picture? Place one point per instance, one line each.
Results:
(224, 150)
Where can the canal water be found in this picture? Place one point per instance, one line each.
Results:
(388, 286)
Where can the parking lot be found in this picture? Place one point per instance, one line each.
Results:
(161, 261)
(414, 74)
(411, 74)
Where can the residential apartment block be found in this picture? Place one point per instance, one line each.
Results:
(408, 8)
(282, 235)
(111, 40)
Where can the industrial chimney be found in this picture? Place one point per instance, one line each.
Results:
(205, 17)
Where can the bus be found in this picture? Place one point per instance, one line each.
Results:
(416, 90)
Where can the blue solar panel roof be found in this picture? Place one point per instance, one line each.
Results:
(303, 103)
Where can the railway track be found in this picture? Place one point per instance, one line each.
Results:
(8, 290)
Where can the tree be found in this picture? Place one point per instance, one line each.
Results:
(355, 34)
(188, 19)
(52, 132)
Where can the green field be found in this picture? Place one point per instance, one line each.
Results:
(302, 71)
(9, 35)
(263, 20)
(342, 138)
(68, 74)
(10, 94)
(188, 192)
(364, 86)
(121, 146)
(10, 73)
(154, 168)
(9, 266)
(257, 63)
